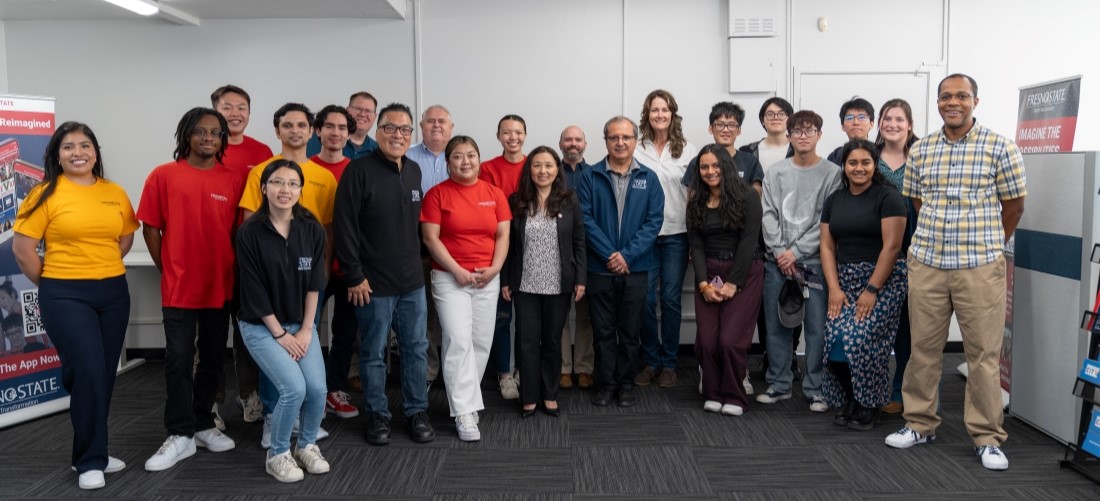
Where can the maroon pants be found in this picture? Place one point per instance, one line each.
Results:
(724, 332)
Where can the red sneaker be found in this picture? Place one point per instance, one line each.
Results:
(337, 403)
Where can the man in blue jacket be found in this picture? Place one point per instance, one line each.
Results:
(623, 208)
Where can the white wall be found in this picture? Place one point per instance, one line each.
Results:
(554, 63)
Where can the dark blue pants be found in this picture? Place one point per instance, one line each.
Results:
(345, 330)
(615, 305)
(86, 320)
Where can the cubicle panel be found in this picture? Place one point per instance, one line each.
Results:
(1051, 241)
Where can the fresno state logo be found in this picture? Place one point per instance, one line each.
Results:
(305, 263)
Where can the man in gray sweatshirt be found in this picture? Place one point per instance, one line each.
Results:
(795, 190)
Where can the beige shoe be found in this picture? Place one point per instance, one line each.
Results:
(509, 388)
(311, 459)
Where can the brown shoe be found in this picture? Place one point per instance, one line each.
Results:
(645, 377)
(893, 408)
(667, 379)
(355, 384)
(584, 380)
(565, 382)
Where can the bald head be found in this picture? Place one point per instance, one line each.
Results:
(572, 145)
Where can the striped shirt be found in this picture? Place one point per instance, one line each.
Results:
(961, 185)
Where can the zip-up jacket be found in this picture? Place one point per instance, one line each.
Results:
(643, 215)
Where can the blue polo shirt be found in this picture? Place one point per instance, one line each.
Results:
(313, 147)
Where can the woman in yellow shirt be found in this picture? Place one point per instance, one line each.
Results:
(87, 225)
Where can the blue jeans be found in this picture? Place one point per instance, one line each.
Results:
(780, 351)
(267, 391)
(672, 254)
(300, 384)
(408, 314)
(500, 356)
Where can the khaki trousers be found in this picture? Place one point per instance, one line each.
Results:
(577, 354)
(977, 298)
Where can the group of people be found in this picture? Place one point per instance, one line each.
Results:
(870, 251)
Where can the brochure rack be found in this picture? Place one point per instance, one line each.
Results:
(1081, 456)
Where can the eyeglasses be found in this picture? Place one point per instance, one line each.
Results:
(355, 110)
(201, 133)
(279, 183)
(726, 126)
(961, 97)
(856, 118)
(775, 114)
(804, 132)
(620, 139)
(391, 128)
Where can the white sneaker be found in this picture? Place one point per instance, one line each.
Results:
(321, 433)
(214, 440)
(466, 425)
(712, 406)
(174, 449)
(114, 465)
(310, 457)
(748, 385)
(818, 404)
(265, 437)
(732, 410)
(91, 479)
(509, 388)
(252, 409)
(993, 458)
(906, 438)
(219, 423)
(283, 468)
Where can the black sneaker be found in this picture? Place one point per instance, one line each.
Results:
(420, 428)
(378, 430)
(845, 415)
(603, 398)
(627, 398)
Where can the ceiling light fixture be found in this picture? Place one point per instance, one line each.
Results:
(140, 7)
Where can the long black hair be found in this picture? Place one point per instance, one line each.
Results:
(52, 163)
(861, 144)
(264, 211)
(187, 127)
(526, 197)
(735, 192)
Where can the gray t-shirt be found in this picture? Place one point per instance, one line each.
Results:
(793, 199)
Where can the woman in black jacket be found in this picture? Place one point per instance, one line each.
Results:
(544, 270)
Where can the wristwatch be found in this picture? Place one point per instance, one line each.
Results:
(872, 289)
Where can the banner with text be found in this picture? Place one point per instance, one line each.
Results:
(1048, 116)
(30, 370)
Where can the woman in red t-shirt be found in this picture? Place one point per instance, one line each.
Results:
(464, 223)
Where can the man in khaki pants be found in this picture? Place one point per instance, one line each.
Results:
(576, 350)
(967, 185)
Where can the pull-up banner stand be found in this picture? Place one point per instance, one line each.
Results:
(30, 370)
(1048, 116)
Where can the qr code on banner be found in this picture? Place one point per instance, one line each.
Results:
(32, 317)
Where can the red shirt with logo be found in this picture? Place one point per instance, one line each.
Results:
(467, 217)
(195, 210)
(241, 158)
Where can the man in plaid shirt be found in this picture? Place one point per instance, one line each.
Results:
(967, 185)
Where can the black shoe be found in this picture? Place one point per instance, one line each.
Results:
(378, 430)
(551, 412)
(845, 415)
(420, 428)
(603, 398)
(527, 413)
(863, 418)
(627, 398)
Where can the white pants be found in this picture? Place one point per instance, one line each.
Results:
(467, 316)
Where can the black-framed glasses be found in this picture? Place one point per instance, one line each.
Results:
(391, 129)
(726, 125)
(201, 133)
(862, 117)
(804, 132)
(961, 97)
(775, 114)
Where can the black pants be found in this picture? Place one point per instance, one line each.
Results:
(345, 330)
(540, 319)
(616, 303)
(190, 398)
(86, 320)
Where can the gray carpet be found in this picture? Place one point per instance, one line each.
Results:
(666, 447)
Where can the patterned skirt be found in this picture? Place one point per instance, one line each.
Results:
(867, 344)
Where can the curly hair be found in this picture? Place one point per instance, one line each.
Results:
(735, 192)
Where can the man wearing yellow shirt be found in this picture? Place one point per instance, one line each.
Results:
(293, 127)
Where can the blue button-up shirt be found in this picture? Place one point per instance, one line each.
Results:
(570, 173)
(433, 168)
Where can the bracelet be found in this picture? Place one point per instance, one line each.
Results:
(281, 335)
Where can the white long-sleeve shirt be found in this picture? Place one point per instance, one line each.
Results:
(670, 171)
